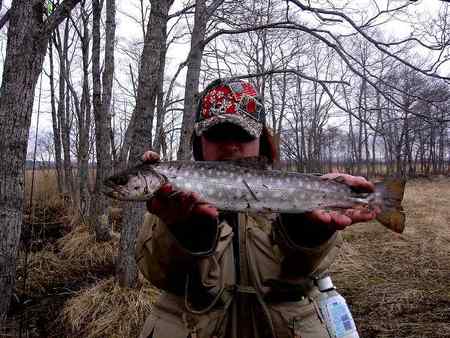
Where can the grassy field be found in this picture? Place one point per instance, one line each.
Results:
(397, 285)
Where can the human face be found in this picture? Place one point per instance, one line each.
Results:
(228, 143)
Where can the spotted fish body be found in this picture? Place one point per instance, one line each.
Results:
(230, 186)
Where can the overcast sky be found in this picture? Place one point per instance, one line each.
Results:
(129, 30)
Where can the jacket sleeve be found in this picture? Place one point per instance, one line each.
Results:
(165, 254)
(308, 249)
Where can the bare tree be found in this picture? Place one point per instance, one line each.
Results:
(28, 35)
(147, 90)
(55, 123)
(63, 111)
(82, 109)
(102, 111)
(202, 15)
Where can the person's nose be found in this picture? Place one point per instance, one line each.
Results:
(230, 145)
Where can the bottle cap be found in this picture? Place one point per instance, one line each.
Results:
(325, 283)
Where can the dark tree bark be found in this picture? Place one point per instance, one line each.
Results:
(63, 111)
(55, 124)
(26, 47)
(102, 107)
(160, 109)
(192, 78)
(84, 119)
(147, 91)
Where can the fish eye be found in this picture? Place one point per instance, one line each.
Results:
(119, 180)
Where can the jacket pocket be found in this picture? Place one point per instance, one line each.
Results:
(208, 325)
(166, 324)
(163, 326)
(298, 320)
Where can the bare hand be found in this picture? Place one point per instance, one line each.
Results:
(150, 157)
(341, 220)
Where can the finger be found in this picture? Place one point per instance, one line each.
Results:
(329, 176)
(377, 210)
(360, 183)
(356, 182)
(320, 216)
(340, 221)
(166, 189)
(188, 201)
(164, 192)
(150, 156)
(360, 215)
(205, 210)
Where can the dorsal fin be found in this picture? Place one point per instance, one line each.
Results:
(255, 162)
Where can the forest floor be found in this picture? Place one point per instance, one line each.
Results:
(397, 285)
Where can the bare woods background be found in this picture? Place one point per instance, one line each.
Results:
(357, 86)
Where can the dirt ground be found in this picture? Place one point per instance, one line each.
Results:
(396, 285)
(399, 285)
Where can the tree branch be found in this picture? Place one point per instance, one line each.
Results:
(61, 12)
(290, 71)
(4, 19)
(180, 12)
(374, 42)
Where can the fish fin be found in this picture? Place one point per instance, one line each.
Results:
(255, 162)
(392, 215)
(339, 179)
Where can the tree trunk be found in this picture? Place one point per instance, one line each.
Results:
(149, 74)
(55, 124)
(192, 79)
(63, 115)
(84, 121)
(148, 83)
(160, 109)
(25, 52)
(102, 106)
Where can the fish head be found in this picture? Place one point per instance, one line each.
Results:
(133, 185)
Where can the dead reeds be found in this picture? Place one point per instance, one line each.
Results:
(80, 248)
(397, 285)
(107, 310)
(44, 271)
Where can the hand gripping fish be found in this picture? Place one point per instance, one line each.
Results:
(231, 185)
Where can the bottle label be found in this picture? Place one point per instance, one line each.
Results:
(339, 317)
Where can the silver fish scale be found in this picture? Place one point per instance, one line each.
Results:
(231, 187)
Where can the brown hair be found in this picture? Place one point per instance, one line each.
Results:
(267, 146)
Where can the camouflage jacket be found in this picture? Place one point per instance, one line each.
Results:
(249, 276)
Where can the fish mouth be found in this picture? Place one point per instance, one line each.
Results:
(122, 194)
(112, 192)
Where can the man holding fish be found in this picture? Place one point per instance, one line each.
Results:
(245, 268)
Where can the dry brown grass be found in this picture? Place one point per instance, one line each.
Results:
(107, 310)
(45, 270)
(45, 181)
(74, 256)
(81, 250)
(398, 285)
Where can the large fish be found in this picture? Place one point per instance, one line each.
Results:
(237, 186)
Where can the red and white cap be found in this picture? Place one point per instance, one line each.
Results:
(230, 101)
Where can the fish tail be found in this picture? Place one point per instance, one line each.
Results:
(392, 215)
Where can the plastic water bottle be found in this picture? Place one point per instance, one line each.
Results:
(339, 320)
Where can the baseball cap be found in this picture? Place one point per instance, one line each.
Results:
(230, 101)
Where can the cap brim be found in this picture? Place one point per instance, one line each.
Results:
(252, 127)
